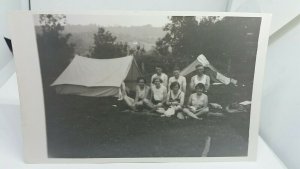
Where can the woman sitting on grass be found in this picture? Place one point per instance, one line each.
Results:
(197, 104)
(142, 92)
(175, 99)
(158, 96)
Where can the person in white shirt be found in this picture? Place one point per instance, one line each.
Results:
(142, 92)
(200, 78)
(178, 78)
(158, 96)
(161, 75)
(198, 103)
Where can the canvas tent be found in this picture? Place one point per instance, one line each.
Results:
(97, 77)
(214, 74)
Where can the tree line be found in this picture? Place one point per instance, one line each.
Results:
(229, 43)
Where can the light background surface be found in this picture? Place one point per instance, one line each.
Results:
(280, 104)
(6, 61)
(29, 78)
(280, 113)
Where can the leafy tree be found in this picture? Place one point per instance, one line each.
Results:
(162, 45)
(139, 53)
(180, 43)
(54, 50)
(105, 46)
(180, 36)
(229, 43)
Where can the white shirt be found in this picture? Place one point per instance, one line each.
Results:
(198, 101)
(179, 96)
(163, 77)
(204, 79)
(159, 93)
(181, 80)
(142, 93)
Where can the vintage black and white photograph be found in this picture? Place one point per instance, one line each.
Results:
(147, 86)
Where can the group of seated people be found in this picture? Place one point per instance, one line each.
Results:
(167, 96)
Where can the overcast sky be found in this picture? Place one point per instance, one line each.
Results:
(119, 20)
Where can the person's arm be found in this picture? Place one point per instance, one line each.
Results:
(190, 101)
(207, 83)
(205, 101)
(164, 96)
(152, 77)
(201, 111)
(191, 114)
(147, 92)
(192, 84)
(151, 93)
(205, 108)
(166, 81)
(188, 111)
(184, 84)
(169, 83)
(181, 99)
(168, 99)
(136, 94)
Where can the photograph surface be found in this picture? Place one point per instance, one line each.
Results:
(145, 86)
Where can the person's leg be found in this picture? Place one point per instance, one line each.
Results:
(139, 105)
(202, 111)
(178, 108)
(160, 110)
(148, 103)
(129, 101)
(157, 107)
(189, 113)
(178, 112)
(180, 115)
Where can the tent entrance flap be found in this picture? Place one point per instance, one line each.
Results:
(210, 70)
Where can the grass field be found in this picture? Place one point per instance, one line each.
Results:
(82, 127)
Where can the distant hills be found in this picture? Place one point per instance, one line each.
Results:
(83, 35)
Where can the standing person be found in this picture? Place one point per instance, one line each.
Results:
(197, 104)
(161, 75)
(175, 99)
(200, 78)
(142, 93)
(178, 78)
(158, 96)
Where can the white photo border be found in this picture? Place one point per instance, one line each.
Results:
(32, 99)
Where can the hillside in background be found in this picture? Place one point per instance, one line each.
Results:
(83, 35)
